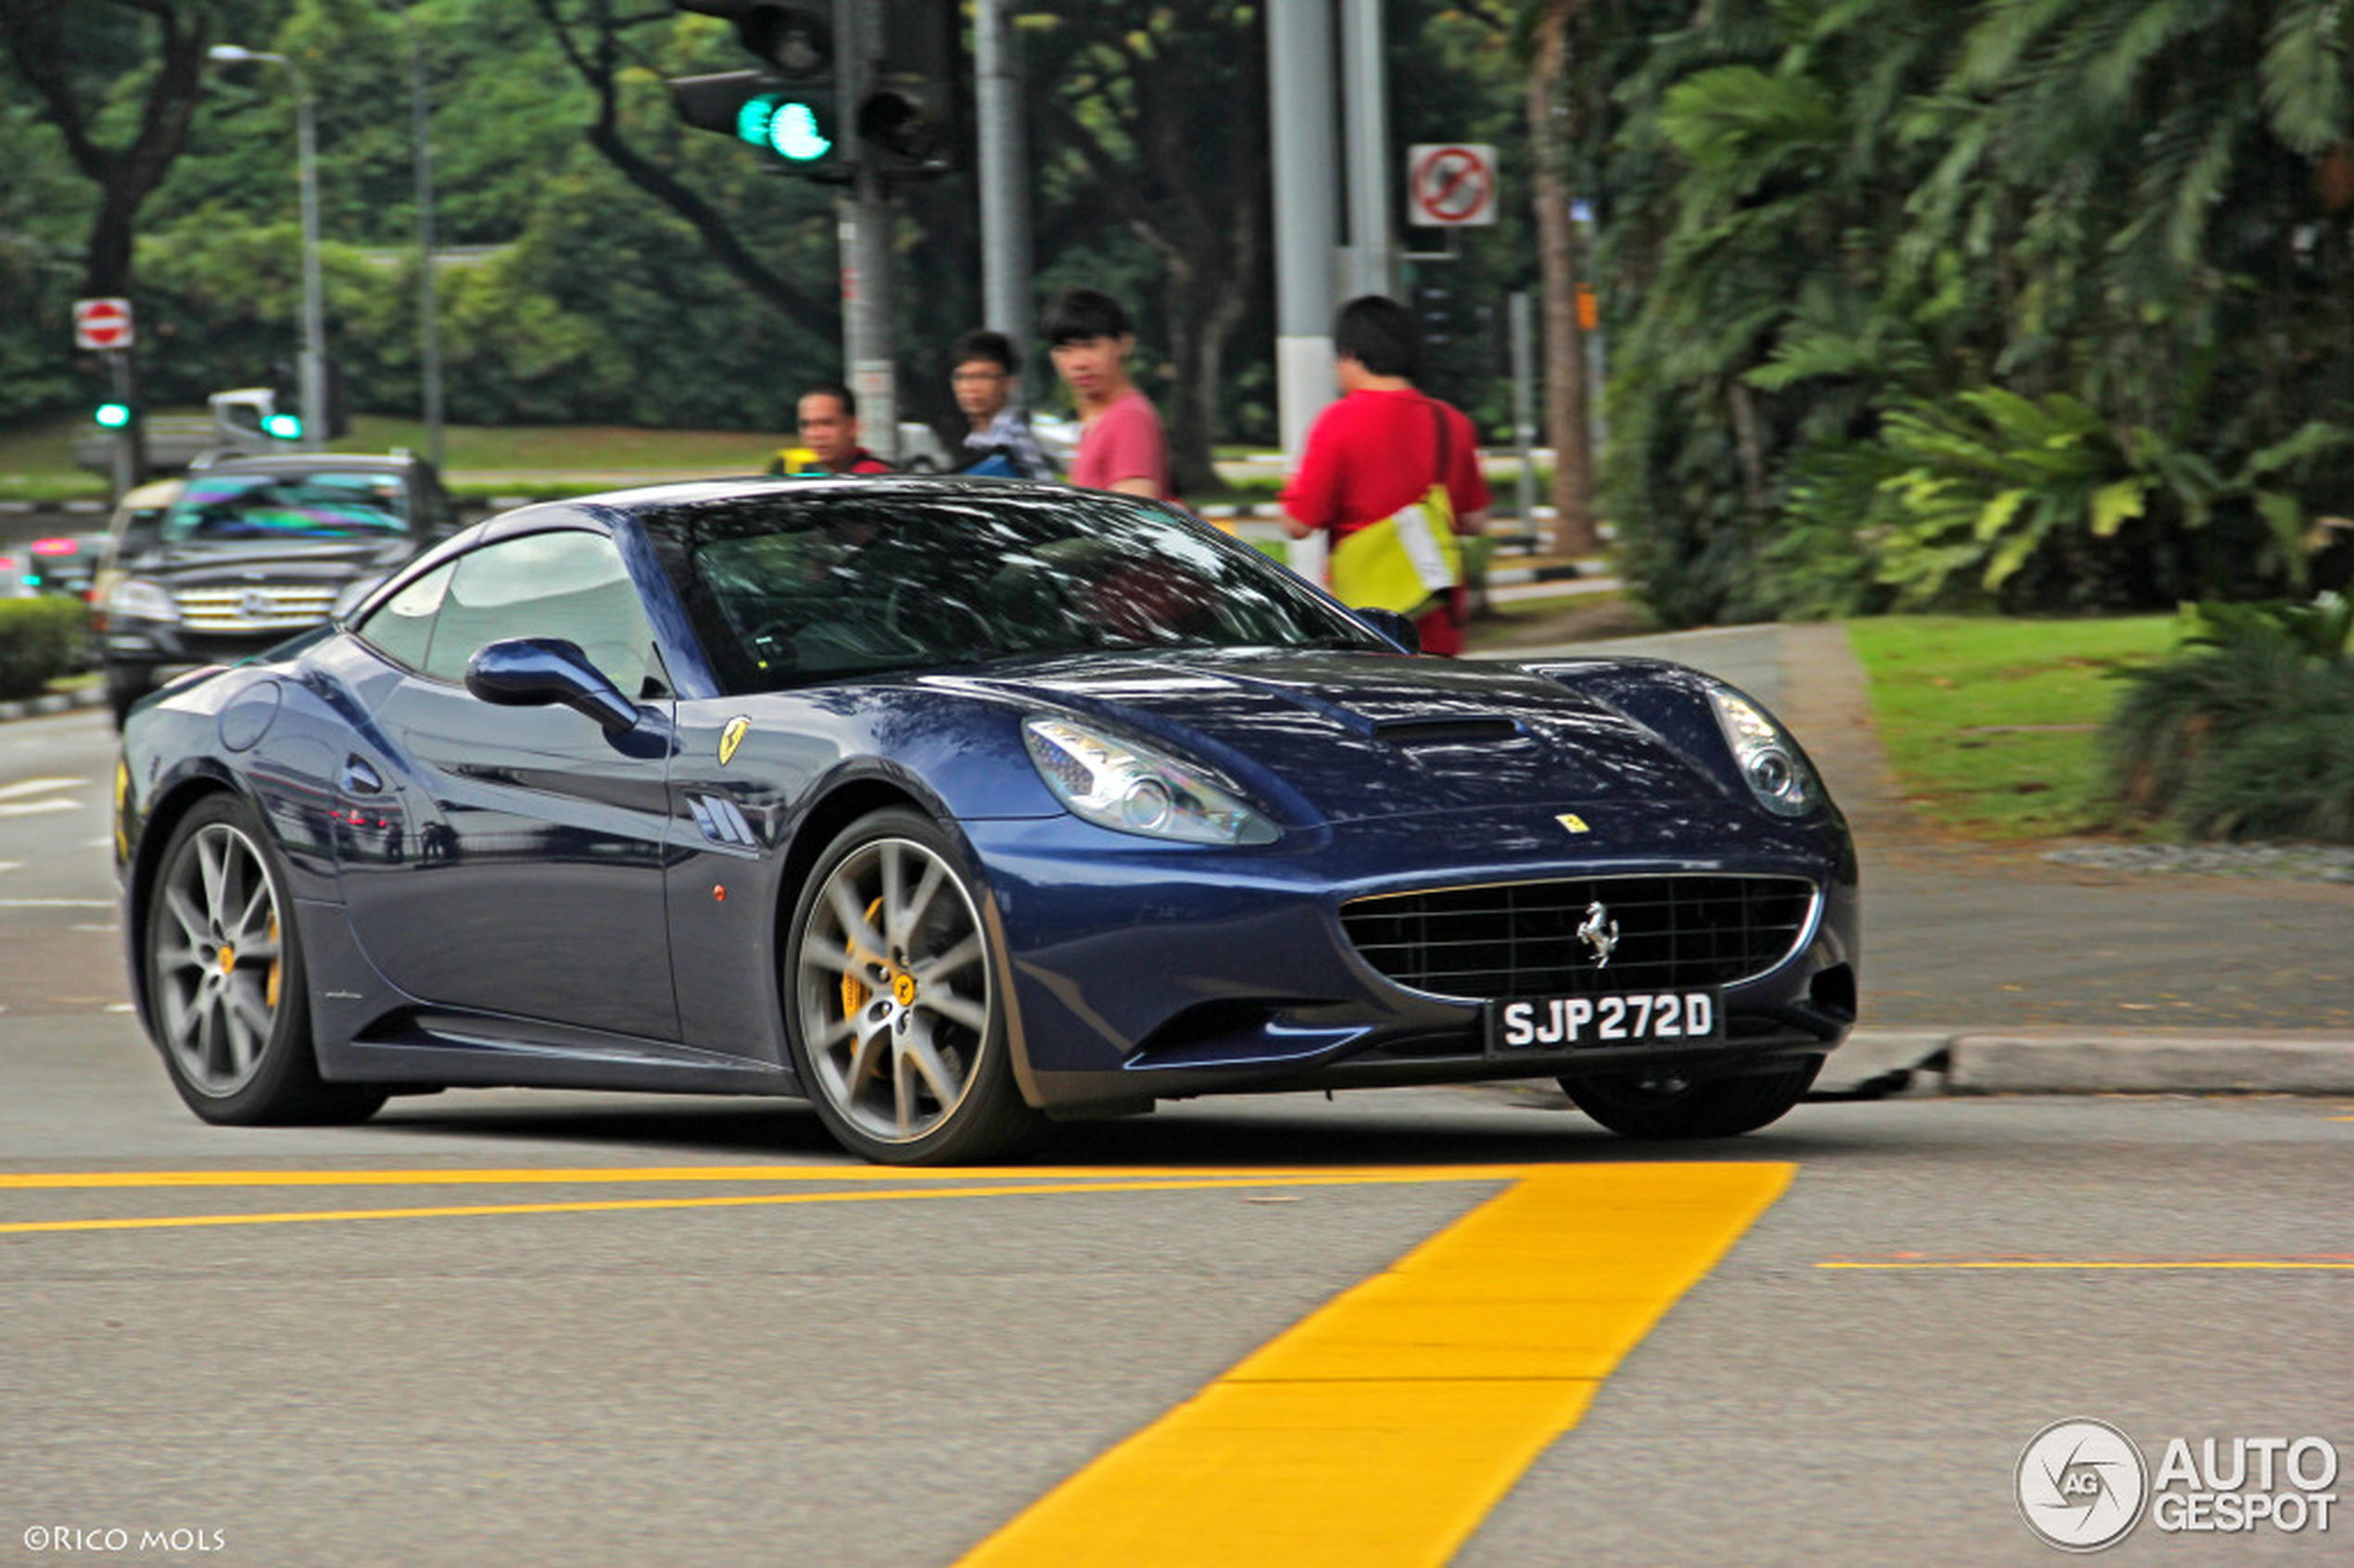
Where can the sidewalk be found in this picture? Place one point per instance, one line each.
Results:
(1992, 969)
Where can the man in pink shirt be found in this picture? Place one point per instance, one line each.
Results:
(1120, 443)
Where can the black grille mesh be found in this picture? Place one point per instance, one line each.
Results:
(1521, 939)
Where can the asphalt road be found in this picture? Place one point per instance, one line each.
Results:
(501, 1327)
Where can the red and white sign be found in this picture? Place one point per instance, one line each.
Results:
(102, 323)
(1451, 185)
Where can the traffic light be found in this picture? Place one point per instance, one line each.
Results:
(794, 126)
(790, 107)
(912, 117)
(113, 416)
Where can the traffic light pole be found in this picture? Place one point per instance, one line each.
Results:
(127, 459)
(865, 223)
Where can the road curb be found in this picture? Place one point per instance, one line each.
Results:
(52, 702)
(2079, 1061)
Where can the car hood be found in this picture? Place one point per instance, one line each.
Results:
(245, 561)
(1352, 735)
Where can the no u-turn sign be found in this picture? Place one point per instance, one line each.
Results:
(1451, 185)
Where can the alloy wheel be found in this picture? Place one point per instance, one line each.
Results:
(217, 960)
(892, 989)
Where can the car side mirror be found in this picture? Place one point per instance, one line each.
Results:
(1394, 625)
(526, 672)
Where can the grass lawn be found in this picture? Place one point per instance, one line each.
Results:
(1993, 725)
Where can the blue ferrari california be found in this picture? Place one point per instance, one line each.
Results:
(956, 807)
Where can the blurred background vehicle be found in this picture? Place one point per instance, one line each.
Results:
(250, 551)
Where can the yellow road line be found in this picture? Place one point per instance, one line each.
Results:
(531, 1175)
(1382, 1429)
(738, 1200)
(2115, 1263)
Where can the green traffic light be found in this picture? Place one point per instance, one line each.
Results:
(114, 416)
(285, 427)
(794, 134)
(786, 126)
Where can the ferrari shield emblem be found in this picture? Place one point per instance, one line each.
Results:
(732, 737)
(1573, 822)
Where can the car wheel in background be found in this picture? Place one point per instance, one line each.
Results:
(897, 1031)
(1665, 1106)
(224, 978)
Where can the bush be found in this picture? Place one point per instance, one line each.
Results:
(2248, 731)
(39, 639)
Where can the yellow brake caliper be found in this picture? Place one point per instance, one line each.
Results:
(853, 989)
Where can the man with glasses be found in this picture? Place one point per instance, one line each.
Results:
(985, 373)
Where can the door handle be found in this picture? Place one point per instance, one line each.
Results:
(359, 779)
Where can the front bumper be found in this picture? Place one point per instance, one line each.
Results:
(1136, 972)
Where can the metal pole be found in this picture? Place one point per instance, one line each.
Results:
(1299, 61)
(314, 309)
(127, 441)
(1373, 254)
(864, 217)
(314, 306)
(428, 313)
(1004, 173)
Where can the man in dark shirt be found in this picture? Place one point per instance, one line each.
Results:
(984, 372)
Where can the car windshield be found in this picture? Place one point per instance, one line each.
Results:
(787, 588)
(325, 504)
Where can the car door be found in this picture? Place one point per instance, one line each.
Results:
(510, 859)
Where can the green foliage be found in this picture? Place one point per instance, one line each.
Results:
(2247, 732)
(2018, 302)
(38, 640)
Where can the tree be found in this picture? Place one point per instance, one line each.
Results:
(1569, 424)
(86, 62)
(1153, 116)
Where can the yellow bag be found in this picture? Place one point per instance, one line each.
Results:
(1404, 561)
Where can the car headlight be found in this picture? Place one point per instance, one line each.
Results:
(1131, 788)
(141, 599)
(1776, 774)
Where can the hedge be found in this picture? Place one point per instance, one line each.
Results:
(40, 640)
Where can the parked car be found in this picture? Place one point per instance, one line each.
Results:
(250, 551)
(955, 806)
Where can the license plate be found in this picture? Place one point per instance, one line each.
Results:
(1530, 1025)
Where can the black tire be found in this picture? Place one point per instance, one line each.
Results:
(1668, 1107)
(896, 1026)
(227, 1000)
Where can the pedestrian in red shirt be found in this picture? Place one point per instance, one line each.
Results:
(828, 421)
(1122, 446)
(1382, 447)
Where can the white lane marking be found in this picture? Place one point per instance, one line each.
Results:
(11, 864)
(120, 1007)
(56, 904)
(39, 786)
(34, 808)
(108, 929)
(100, 842)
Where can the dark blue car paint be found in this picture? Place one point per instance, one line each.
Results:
(492, 895)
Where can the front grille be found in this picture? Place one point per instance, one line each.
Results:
(1521, 939)
(259, 607)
